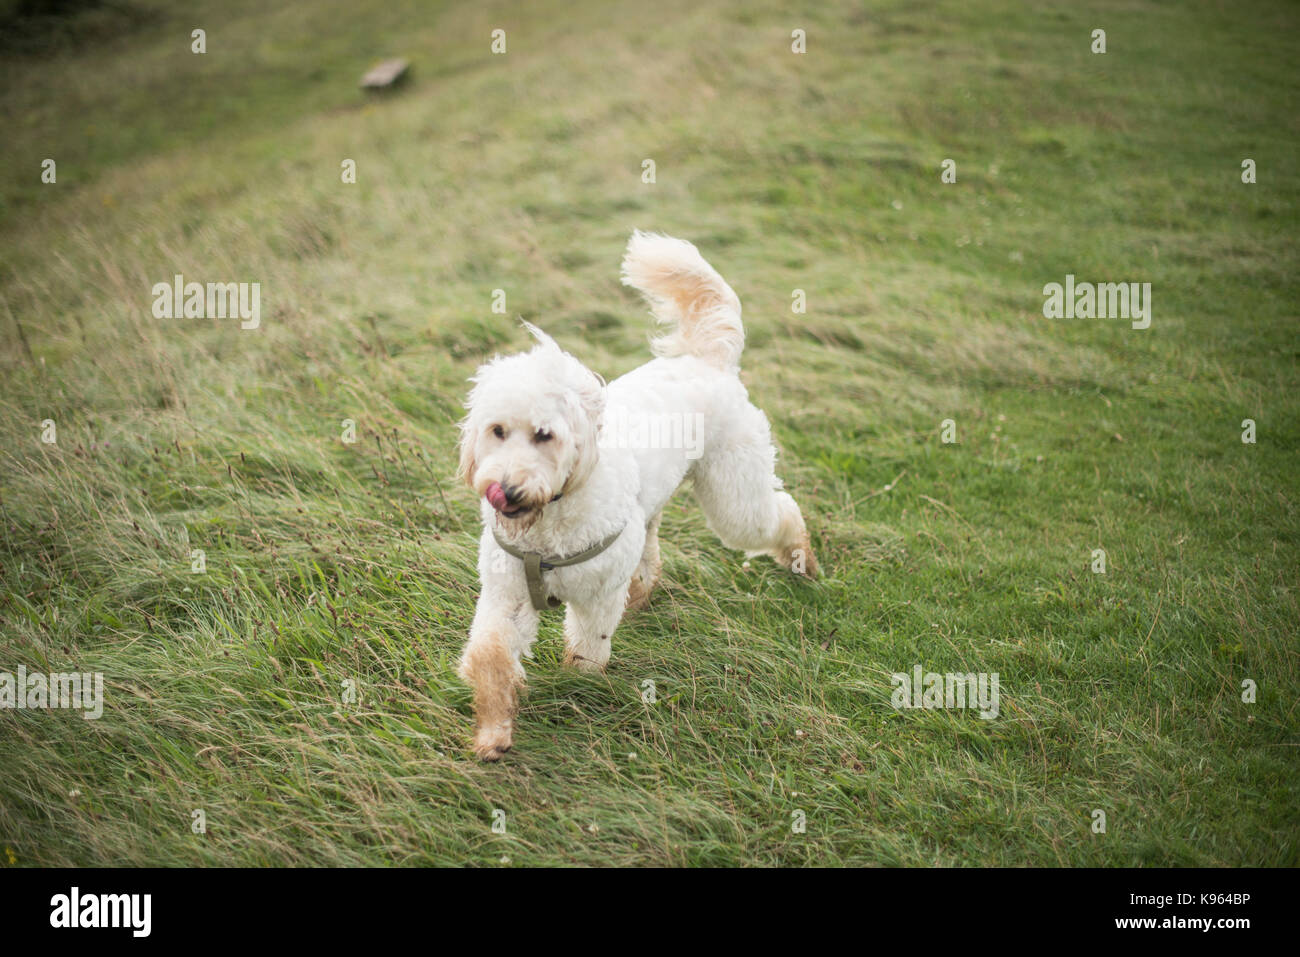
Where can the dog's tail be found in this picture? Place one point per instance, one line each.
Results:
(687, 293)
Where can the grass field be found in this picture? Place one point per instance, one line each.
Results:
(329, 562)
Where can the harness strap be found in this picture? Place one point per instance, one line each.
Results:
(535, 564)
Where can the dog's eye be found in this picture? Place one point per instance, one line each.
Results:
(542, 435)
(498, 431)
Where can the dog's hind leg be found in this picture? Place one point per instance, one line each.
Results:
(743, 502)
(647, 571)
(588, 629)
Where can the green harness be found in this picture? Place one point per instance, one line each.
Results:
(535, 564)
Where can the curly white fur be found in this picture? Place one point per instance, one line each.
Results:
(537, 444)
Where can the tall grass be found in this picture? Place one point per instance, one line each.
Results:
(329, 563)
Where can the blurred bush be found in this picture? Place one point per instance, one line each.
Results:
(39, 27)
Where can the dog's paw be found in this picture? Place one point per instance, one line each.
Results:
(799, 559)
(575, 660)
(804, 562)
(638, 593)
(492, 741)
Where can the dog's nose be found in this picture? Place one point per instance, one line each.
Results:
(513, 495)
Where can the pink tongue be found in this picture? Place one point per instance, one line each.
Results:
(495, 496)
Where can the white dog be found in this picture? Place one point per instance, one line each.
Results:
(574, 475)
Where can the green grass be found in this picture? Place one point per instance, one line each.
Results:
(329, 562)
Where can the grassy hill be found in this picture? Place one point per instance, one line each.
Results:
(328, 563)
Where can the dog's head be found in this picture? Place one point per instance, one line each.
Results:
(532, 429)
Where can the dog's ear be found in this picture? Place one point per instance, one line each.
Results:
(588, 408)
(469, 428)
(542, 338)
(468, 465)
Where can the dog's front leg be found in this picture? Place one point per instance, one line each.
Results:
(490, 665)
(589, 628)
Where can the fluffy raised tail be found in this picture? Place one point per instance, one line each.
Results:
(685, 292)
